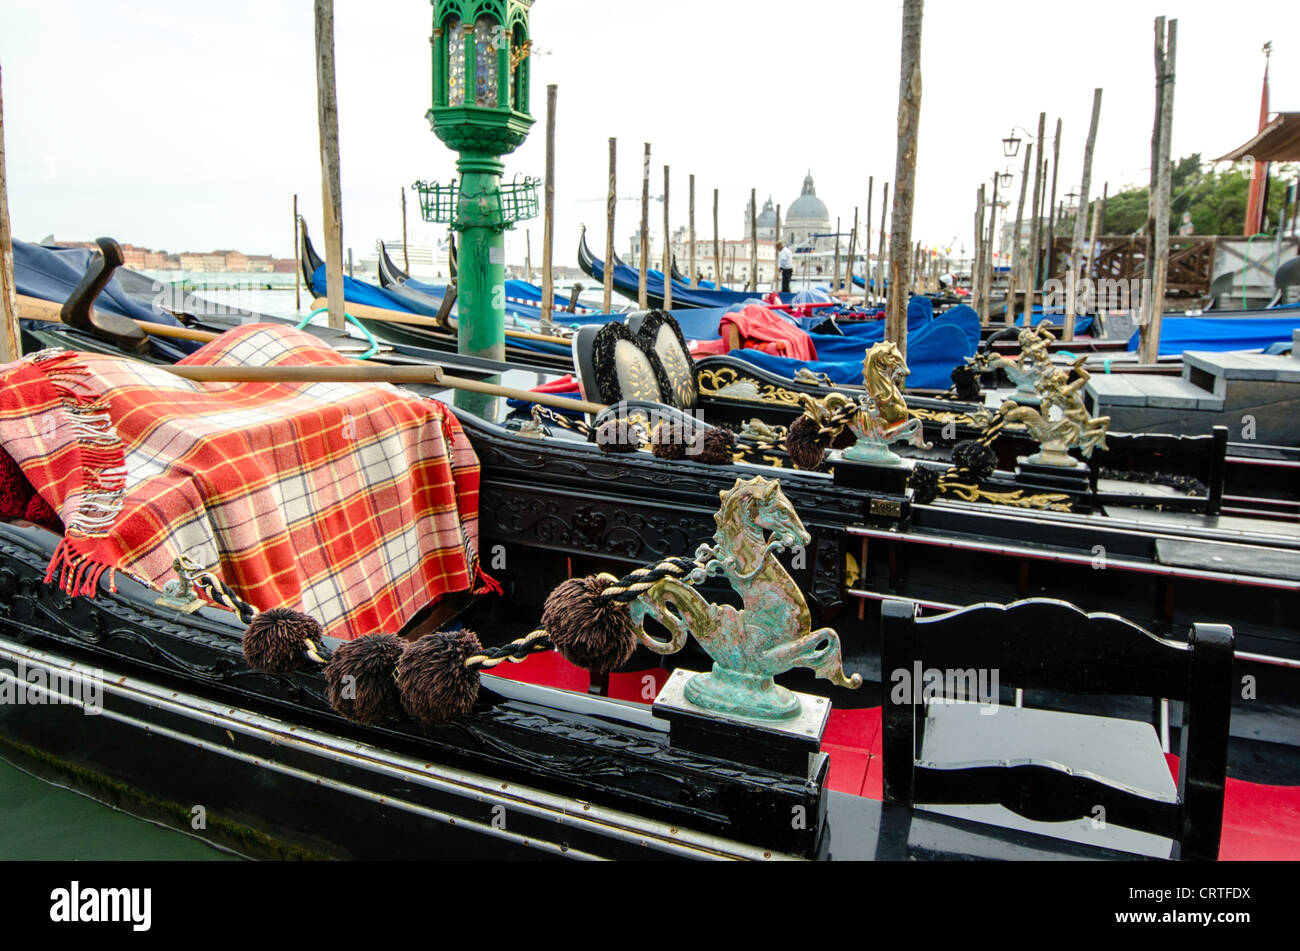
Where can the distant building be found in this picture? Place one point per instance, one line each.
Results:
(766, 222)
(807, 218)
(806, 229)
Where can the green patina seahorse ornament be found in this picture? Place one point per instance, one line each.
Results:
(770, 635)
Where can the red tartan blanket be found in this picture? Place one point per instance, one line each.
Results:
(356, 503)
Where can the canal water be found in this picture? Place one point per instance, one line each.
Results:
(44, 821)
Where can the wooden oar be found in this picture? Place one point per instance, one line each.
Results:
(418, 320)
(33, 308)
(363, 373)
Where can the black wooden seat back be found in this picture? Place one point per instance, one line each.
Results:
(613, 364)
(1171, 459)
(1043, 644)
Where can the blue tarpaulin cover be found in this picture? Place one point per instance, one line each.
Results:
(1223, 333)
(53, 274)
(932, 352)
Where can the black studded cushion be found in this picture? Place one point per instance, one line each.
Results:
(663, 335)
(626, 368)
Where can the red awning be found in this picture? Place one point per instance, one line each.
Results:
(1279, 141)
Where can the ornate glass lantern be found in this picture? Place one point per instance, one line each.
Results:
(480, 109)
(480, 74)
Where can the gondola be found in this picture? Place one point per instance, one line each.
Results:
(626, 282)
(560, 506)
(530, 769)
(427, 337)
(1012, 510)
(1251, 478)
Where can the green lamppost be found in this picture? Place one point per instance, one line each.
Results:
(480, 109)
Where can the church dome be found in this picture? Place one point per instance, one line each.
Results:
(808, 207)
(767, 217)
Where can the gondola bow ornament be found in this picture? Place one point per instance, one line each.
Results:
(770, 635)
(882, 417)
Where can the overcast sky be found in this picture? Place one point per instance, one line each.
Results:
(189, 126)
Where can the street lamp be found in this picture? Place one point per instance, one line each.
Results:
(1005, 178)
(1011, 144)
(480, 109)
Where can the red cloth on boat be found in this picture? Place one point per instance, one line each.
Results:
(565, 384)
(759, 328)
(708, 348)
(354, 502)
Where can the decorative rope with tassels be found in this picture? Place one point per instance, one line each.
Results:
(623, 591)
(216, 589)
(542, 414)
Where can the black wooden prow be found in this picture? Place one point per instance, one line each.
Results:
(443, 317)
(79, 309)
(573, 299)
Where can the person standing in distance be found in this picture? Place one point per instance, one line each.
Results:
(785, 262)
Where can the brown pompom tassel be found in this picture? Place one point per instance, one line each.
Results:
(844, 439)
(275, 641)
(668, 442)
(618, 435)
(803, 443)
(359, 678)
(587, 630)
(432, 677)
(717, 447)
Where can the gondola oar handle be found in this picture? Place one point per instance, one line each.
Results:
(34, 308)
(360, 373)
(373, 374)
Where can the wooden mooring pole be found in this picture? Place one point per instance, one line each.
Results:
(866, 246)
(668, 249)
(990, 256)
(331, 191)
(642, 300)
(691, 226)
(611, 202)
(1161, 180)
(879, 289)
(752, 283)
(977, 257)
(1035, 229)
(1049, 209)
(1076, 242)
(10, 348)
(717, 245)
(1014, 273)
(297, 260)
(406, 255)
(776, 254)
(836, 286)
(909, 116)
(548, 213)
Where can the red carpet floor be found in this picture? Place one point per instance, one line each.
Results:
(1260, 822)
